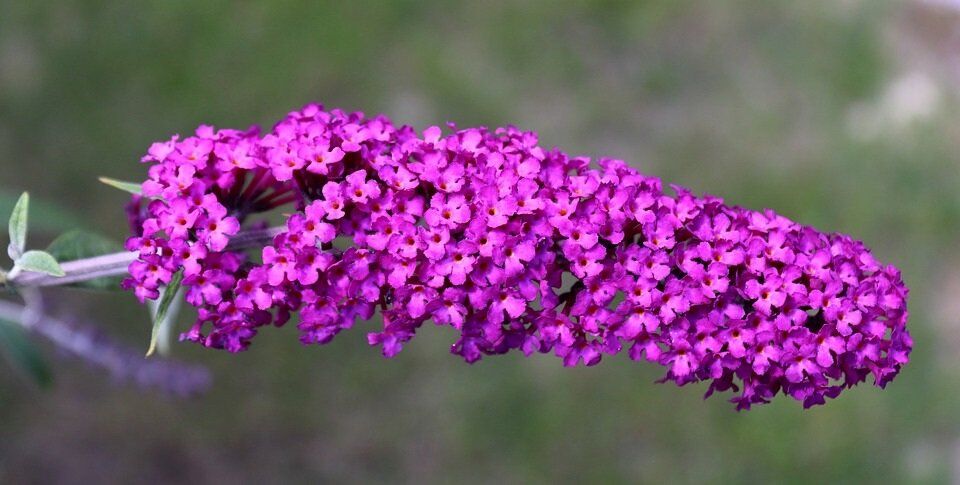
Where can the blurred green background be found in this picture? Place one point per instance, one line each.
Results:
(839, 114)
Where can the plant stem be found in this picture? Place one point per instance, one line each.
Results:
(115, 264)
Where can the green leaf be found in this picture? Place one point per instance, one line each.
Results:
(169, 294)
(23, 354)
(39, 262)
(133, 188)
(18, 227)
(168, 324)
(79, 244)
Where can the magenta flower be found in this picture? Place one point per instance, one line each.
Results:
(458, 262)
(281, 265)
(359, 189)
(321, 157)
(514, 246)
(449, 212)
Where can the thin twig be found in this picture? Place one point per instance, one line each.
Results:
(116, 264)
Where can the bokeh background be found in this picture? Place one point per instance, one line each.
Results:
(841, 114)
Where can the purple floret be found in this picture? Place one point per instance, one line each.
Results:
(516, 248)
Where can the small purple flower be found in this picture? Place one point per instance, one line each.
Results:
(333, 202)
(320, 157)
(768, 294)
(281, 264)
(800, 363)
(458, 262)
(284, 162)
(449, 212)
(359, 189)
(216, 228)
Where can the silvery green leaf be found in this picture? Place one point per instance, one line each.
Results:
(133, 188)
(23, 354)
(167, 325)
(169, 294)
(18, 227)
(39, 262)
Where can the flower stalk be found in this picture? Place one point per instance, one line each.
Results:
(116, 264)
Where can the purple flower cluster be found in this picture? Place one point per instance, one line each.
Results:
(515, 247)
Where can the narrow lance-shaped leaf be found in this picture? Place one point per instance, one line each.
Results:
(167, 326)
(131, 187)
(23, 354)
(169, 294)
(18, 227)
(39, 262)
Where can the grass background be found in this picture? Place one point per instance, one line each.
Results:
(838, 114)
